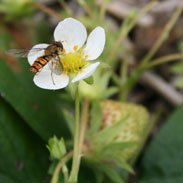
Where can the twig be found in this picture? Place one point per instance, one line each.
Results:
(162, 87)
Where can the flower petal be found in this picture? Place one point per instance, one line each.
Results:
(86, 72)
(95, 43)
(45, 80)
(71, 33)
(34, 54)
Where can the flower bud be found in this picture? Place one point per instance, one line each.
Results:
(56, 147)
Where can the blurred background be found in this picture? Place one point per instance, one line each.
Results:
(144, 51)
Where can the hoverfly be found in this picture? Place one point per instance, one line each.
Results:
(50, 54)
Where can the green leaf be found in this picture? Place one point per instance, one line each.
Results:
(111, 91)
(99, 177)
(52, 167)
(86, 174)
(111, 173)
(6, 179)
(117, 147)
(41, 109)
(89, 80)
(24, 157)
(69, 117)
(96, 118)
(108, 134)
(163, 160)
(119, 161)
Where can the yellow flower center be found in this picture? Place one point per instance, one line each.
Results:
(73, 62)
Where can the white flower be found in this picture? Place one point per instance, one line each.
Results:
(76, 58)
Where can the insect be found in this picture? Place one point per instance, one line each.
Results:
(50, 54)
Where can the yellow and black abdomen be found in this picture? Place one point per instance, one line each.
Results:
(39, 63)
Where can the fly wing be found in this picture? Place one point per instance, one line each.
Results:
(24, 52)
(56, 66)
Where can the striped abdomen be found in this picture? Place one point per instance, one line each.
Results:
(39, 63)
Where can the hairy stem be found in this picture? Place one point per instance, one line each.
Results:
(84, 121)
(76, 156)
(123, 73)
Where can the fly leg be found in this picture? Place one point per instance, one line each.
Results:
(52, 73)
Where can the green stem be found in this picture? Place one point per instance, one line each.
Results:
(76, 156)
(125, 29)
(61, 163)
(65, 173)
(86, 7)
(84, 121)
(164, 59)
(123, 73)
(164, 35)
(140, 70)
(102, 11)
(56, 173)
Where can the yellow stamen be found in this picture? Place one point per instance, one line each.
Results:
(73, 62)
(75, 47)
(86, 56)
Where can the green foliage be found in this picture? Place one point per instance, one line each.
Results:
(163, 162)
(177, 68)
(69, 117)
(29, 114)
(99, 89)
(117, 147)
(89, 80)
(96, 118)
(16, 9)
(40, 109)
(4, 39)
(108, 135)
(111, 173)
(23, 154)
